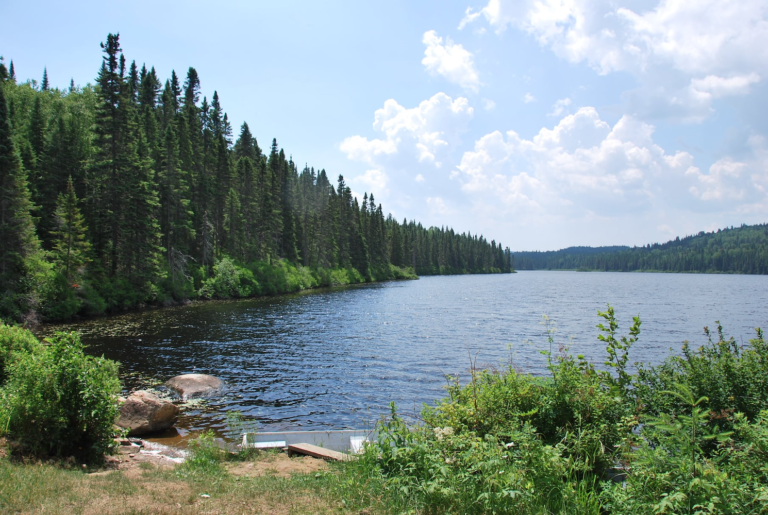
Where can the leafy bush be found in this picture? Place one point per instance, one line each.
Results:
(14, 339)
(444, 470)
(586, 411)
(733, 378)
(671, 472)
(59, 401)
(229, 281)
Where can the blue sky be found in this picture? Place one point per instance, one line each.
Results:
(538, 123)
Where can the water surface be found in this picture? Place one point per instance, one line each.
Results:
(335, 358)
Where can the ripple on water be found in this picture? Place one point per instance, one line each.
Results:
(335, 358)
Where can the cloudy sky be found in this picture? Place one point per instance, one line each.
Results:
(541, 124)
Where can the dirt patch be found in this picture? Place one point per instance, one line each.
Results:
(279, 465)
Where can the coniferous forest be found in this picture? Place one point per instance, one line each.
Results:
(137, 191)
(740, 250)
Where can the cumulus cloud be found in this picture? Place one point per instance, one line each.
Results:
(488, 104)
(721, 87)
(419, 178)
(450, 60)
(372, 180)
(560, 107)
(583, 165)
(528, 98)
(684, 53)
(427, 131)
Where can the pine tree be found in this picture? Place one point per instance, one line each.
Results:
(12, 72)
(18, 242)
(4, 75)
(106, 178)
(71, 248)
(176, 223)
(45, 86)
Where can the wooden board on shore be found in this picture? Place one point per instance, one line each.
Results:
(319, 452)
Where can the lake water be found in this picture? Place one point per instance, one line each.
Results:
(335, 358)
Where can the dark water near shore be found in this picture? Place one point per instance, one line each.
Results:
(335, 358)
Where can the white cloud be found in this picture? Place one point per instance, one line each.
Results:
(427, 131)
(451, 61)
(528, 98)
(584, 166)
(684, 53)
(438, 206)
(372, 180)
(488, 104)
(419, 178)
(560, 107)
(721, 87)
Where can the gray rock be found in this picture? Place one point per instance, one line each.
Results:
(191, 386)
(144, 412)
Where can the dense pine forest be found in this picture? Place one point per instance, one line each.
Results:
(741, 250)
(132, 191)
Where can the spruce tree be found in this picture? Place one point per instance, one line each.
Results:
(18, 242)
(12, 72)
(71, 248)
(45, 86)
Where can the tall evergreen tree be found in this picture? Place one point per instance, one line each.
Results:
(71, 247)
(44, 85)
(18, 242)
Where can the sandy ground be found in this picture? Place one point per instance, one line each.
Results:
(278, 465)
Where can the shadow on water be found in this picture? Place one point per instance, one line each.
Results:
(335, 358)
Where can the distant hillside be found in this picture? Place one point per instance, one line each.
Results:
(741, 250)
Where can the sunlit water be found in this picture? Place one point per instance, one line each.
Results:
(336, 358)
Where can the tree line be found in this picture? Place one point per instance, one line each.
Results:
(133, 190)
(741, 250)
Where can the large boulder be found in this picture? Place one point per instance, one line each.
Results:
(144, 412)
(191, 386)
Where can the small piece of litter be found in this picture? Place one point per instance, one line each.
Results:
(205, 496)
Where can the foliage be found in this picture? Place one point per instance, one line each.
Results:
(140, 193)
(14, 339)
(507, 442)
(742, 250)
(205, 458)
(446, 470)
(733, 378)
(58, 401)
(675, 474)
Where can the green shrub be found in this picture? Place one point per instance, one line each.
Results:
(586, 411)
(733, 378)
(14, 339)
(60, 402)
(205, 457)
(61, 301)
(229, 281)
(445, 470)
(672, 472)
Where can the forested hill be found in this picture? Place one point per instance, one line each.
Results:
(742, 250)
(136, 190)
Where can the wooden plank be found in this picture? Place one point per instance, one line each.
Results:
(319, 452)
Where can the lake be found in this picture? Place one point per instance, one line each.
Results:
(335, 358)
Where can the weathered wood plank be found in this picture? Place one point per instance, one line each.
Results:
(319, 452)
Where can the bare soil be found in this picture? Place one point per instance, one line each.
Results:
(279, 465)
